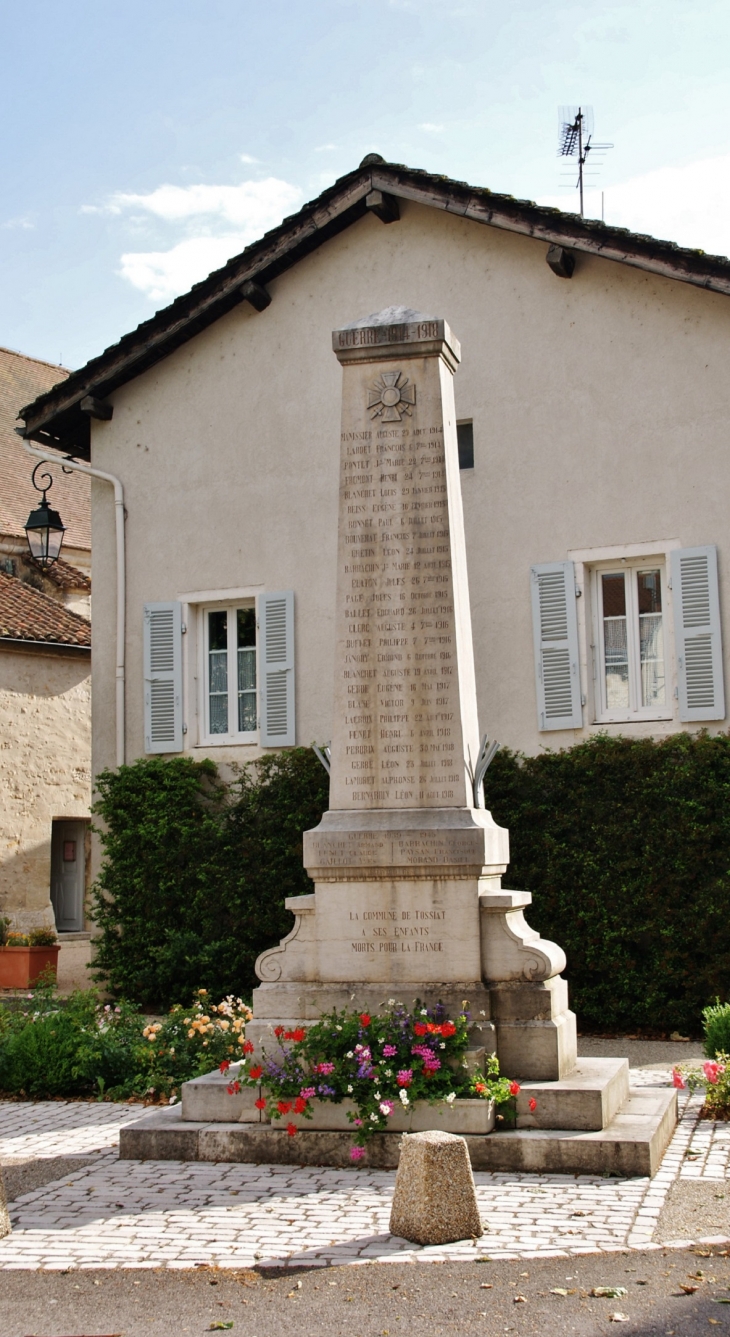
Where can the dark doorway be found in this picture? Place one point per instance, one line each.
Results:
(68, 874)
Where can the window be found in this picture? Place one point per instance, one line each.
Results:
(631, 650)
(230, 672)
(465, 441)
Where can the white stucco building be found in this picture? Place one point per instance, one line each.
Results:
(593, 404)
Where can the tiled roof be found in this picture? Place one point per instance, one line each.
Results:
(56, 417)
(20, 377)
(67, 577)
(28, 615)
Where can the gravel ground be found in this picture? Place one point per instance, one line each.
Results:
(381, 1300)
(641, 1053)
(695, 1208)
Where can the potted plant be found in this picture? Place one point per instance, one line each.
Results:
(25, 956)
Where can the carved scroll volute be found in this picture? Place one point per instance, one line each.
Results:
(511, 950)
(294, 958)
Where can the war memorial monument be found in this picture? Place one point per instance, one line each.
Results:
(407, 862)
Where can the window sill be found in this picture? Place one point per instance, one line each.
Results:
(224, 740)
(634, 719)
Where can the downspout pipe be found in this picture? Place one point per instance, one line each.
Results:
(121, 577)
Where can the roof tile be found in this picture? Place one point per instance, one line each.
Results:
(28, 615)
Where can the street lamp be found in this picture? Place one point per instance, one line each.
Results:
(44, 528)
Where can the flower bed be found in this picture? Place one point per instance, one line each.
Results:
(394, 1061)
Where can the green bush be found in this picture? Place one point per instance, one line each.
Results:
(716, 1020)
(194, 875)
(51, 1046)
(626, 847)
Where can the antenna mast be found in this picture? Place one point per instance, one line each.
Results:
(575, 140)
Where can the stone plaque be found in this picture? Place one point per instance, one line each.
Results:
(405, 701)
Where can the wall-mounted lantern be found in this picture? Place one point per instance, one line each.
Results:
(44, 528)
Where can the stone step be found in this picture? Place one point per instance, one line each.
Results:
(632, 1144)
(586, 1101)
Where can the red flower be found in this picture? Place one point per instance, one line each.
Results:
(514, 1088)
(283, 1106)
(433, 1028)
(364, 1019)
(532, 1103)
(248, 1047)
(225, 1065)
(299, 1105)
(291, 1129)
(255, 1072)
(260, 1103)
(297, 1036)
(480, 1088)
(420, 1028)
(278, 1031)
(234, 1088)
(448, 1029)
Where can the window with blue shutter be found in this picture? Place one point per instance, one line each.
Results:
(276, 676)
(697, 634)
(162, 649)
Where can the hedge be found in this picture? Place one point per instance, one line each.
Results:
(625, 845)
(195, 874)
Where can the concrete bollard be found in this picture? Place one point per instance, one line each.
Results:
(434, 1200)
(4, 1218)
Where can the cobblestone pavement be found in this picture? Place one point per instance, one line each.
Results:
(178, 1214)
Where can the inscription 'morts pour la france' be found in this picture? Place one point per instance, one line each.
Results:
(397, 737)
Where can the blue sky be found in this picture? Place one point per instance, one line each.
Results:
(146, 141)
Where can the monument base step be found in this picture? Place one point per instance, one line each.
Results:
(632, 1144)
(586, 1101)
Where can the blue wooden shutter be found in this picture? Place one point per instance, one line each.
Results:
(555, 627)
(162, 648)
(276, 677)
(697, 633)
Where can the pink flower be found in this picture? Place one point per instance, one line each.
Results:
(390, 1050)
(405, 1077)
(357, 1153)
(325, 1068)
(308, 1093)
(386, 1107)
(357, 1123)
(711, 1071)
(678, 1079)
(431, 1064)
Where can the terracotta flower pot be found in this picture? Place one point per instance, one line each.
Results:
(21, 966)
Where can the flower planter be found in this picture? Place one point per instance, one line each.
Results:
(20, 967)
(463, 1116)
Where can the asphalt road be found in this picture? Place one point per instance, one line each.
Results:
(380, 1300)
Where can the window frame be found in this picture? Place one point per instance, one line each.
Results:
(631, 566)
(232, 737)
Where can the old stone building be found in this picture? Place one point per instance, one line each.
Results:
(45, 690)
(592, 407)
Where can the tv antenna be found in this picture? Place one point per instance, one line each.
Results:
(576, 141)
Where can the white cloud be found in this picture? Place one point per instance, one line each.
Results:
(255, 205)
(431, 128)
(246, 157)
(162, 275)
(689, 204)
(219, 221)
(19, 222)
(325, 148)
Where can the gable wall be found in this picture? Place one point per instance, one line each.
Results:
(599, 408)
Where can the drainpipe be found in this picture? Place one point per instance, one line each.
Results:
(121, 596)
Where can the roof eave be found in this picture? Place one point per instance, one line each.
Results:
(56, 420)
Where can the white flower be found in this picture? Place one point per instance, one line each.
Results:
(349, 1054)
(338, 1028)
(349, 1090)
(374, 1118)
(377, 1095)
(385, 1109)
(451, 1098)
(482, 1013)
(388, 1072)
(424, 1012)
(391, 1002)
(403, 1097)
(442, 1045)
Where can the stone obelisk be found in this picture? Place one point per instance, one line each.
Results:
(407, 868)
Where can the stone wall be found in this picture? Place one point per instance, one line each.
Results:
(45, 772)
